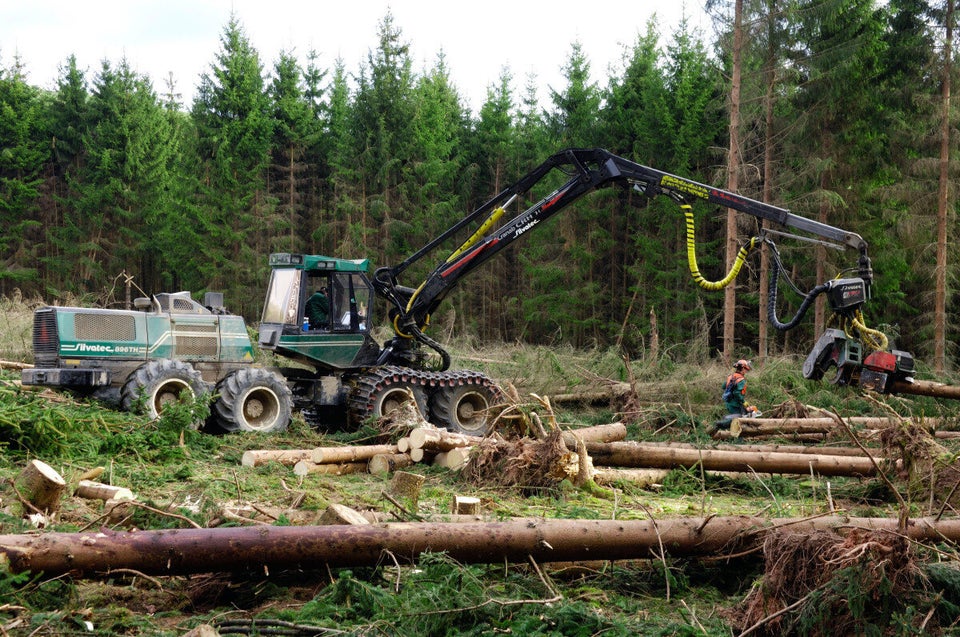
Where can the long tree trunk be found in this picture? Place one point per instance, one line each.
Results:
(733, 182)
(631, 454)
(770, 78)
(943, 196)
(270, 549)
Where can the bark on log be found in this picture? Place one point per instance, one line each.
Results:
(422, 455)
(358, 453)
(653, 477)
(454, 459)
(15, 365)
(41, 486)
(440, 439)
(630, 454)
(388, 463)
(340, 514)
(926, 388)
(306, 467)
(639, 477)
(747, 427)
(286, 457)
(275, 548)
(724, 434)
(808, 449)
(822, 423)
(99, 491)
(612, 432)
(619, 390)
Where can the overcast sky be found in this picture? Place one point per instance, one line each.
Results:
(479, 39)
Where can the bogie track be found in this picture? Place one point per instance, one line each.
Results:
(378, 390)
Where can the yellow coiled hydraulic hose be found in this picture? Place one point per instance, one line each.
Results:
(873, 339)
(692, 256)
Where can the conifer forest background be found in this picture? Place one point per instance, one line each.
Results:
(844, 115)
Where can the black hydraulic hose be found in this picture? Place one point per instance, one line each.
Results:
(808, 299)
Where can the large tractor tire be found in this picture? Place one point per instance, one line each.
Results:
(465, 408)
(383, 390)
(158, 383)
(252, 399)
(391, 397)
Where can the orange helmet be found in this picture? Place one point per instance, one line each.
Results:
(742, 364)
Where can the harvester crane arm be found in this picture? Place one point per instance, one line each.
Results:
(588, 169)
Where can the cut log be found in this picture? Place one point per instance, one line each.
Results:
(358, 453)
(823, 424)
(640, 477)
(613, 392)
(654, 477)
(306, 467)
(275, 548)
(422, 455)
(15, 365)
(440, 439)
(465, 505)
(747, 427)
(340, 514)
(926, 388)
(286, 457)
(630, 454)
(388, 462)
(757, 448)
(454, 459)
(99, 491)
(724, 434)
(41, 486)
(612, 432)
(92, 474)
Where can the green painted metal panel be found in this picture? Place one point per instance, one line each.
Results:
(235, 345)
(334, 350)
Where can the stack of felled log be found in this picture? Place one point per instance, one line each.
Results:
(426, 444)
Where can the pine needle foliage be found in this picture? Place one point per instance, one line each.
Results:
(441, 597)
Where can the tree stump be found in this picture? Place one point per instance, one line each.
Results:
(41, 487)
(465, 505)
(405, 487)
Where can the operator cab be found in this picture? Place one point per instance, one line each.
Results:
(318, 310)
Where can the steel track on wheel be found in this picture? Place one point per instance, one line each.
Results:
(365, 386)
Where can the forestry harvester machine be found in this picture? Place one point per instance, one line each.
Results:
(172, 344)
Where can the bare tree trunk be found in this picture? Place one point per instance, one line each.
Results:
(630, 454)
(770, 78)
(943, 197)
(268, 549)
(733, 174)
(819, 305)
